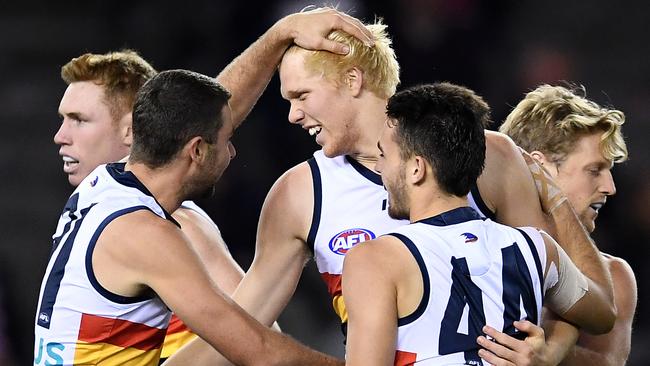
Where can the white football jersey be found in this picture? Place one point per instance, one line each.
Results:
(78, 321)
(475, 272)
(350, 207)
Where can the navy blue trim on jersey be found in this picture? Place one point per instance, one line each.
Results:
(318, 202)
(53, 283)
(452, 217)
(424, 302)
(127, 178)
(89, 260)
(485, 210)
(367, 173)
(538, 262)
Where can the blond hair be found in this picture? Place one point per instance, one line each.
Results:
(378, 63)
(121, 74)
(551, 119)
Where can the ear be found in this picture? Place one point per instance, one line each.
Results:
(196, 149)
(540, 157)
(126, 130)
(354, 81)
(417, 168)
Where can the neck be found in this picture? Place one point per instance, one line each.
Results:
(429, 203)
(371, 119)
(160, 182)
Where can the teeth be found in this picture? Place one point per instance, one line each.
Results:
(314, 130)
(596, 206)
(68, 159)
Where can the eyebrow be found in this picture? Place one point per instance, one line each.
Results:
(73, 115)
(291, 94)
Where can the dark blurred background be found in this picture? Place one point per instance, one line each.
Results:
(501, 49)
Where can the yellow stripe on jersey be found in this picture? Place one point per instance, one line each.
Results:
(104, 354)
(174, 341)
(339, 308)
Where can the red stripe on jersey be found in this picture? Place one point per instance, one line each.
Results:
(333, 282)
(176, 325)
(120, 332)
(403, 358)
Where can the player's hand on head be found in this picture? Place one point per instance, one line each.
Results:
(504, 350)
(310, 28)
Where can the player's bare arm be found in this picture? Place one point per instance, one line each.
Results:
(246, 77)
(571, 296)
(160, 259)
(506, 186)
(281, 250)
(373, 272)
(206, 240)
(542, 348)
(280, 256)
(613, 348)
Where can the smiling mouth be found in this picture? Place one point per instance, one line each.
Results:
(313, 131)
(596, 206)
(69, 163)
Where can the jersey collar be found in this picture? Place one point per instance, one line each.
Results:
(127, 178)
(452, 217)
(367, 173)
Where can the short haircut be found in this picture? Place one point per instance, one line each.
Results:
(120, 73)
(445, 124)
(172, 108)
(550, 119)
(378, 63)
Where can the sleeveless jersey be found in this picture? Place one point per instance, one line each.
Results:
(178, 334)
(350, 207)
(78, 321)
(475, 272)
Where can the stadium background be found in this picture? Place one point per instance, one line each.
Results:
(501, 49)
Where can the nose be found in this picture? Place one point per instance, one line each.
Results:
(295, 113)
(61, 137)
(607, 185)
(232, 150)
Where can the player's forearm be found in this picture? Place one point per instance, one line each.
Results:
(576, 242)
(560, 338)
(247, 76)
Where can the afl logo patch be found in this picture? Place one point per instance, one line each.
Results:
(346, 239)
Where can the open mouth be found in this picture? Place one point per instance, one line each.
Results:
(313, 131)
(597, 206)
(68, 162)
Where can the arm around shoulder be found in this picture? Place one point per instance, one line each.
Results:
(573, 295)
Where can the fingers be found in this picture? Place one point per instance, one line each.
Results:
(531, 329)
(493, 359)
(502, 338)
(334, 47)
(495, 348)
(356, 28)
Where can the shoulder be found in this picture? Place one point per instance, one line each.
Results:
(288, 207)
(381, 255)
(500, 145)
(622, 274)
(151, 229)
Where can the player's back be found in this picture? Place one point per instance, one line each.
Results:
(475, 272)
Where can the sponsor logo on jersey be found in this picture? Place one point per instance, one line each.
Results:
(346, 239)
(469, 237)
(94, 181)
